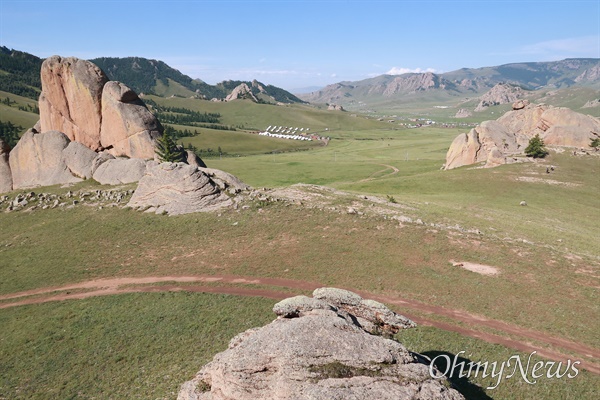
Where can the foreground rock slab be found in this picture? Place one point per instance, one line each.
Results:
(177, 188)
(318, 349)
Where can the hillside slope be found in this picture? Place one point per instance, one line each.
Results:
(466, 82)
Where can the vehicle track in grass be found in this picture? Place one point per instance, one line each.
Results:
(104, 287)
(387, 167)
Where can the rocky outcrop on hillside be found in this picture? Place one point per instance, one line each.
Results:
(412, 83)
(463, 113)
(324, 347)
(178, 188)
(241, 91)
(589, 75)
(502, 93)
(592, 103)
(78, 99)
(504, 140)
(335, 107)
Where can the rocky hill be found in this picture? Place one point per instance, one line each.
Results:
(504, 140)
(20, 74)
(464, 82)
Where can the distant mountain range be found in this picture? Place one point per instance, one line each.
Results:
(20, 74)
(463, 82)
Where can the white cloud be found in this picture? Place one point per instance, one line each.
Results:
(581, 46)
(400, 71)
(334, 75)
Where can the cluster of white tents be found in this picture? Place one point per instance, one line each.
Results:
(285, 136)
(285, 129)
(286, 133)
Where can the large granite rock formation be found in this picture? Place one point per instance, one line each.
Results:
(501, 93)
(128, 127)
(318, 348)
(70, 101)
(5, 174)
(84, 117)
(37, 160)
(504, 140)
(177, 188)
(78, 99)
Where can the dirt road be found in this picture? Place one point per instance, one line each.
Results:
(588, 356)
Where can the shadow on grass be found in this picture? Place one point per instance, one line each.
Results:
(443, 361)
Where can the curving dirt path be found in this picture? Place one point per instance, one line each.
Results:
(105, 287)
(371, 178)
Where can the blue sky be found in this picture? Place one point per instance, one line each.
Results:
(293, 43)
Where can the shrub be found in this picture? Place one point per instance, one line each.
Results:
(167, 150)
(536, 148)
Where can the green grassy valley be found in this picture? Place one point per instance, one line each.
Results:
(98, 300)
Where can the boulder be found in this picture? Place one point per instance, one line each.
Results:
(70, 101)
(192, 159)
(520, 104)
(177, 188)
(117, 171)
(37, 160)
(5, 174)
(464, 150)
(318, 353)
(128, 127)
(225, 180)
(100, 159)
(79, 159)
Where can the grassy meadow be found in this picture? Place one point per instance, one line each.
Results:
(145, 345)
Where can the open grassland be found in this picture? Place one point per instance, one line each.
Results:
(560, 203)
(250, 115)
(146, 345)
(240, 143)
(363, 253)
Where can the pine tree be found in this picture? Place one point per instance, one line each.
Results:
(595, 143)
(536, 148)
(167, 150)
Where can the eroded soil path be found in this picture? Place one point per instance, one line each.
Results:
(588, 356)
(374, 175)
